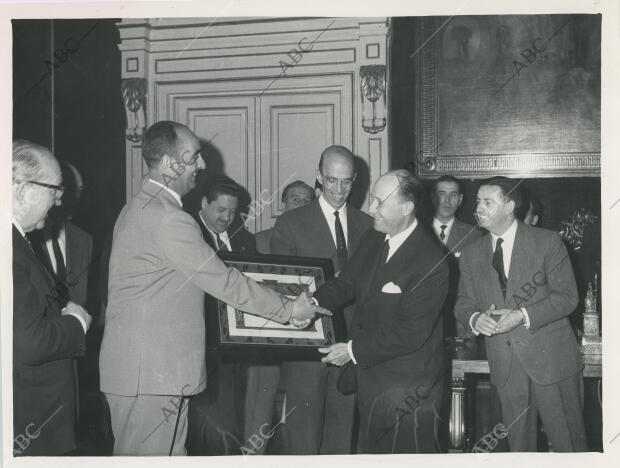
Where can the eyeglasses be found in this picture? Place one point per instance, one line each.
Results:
(57, 190)
(332, 181)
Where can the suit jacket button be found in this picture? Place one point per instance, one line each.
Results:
(508, 342)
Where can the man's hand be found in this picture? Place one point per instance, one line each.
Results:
(304, 309)
(337, 354)
(507, 319)
(74, 309)
(485, 324)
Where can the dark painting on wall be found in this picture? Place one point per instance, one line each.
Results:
(511, 94)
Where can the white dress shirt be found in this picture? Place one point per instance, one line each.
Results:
(176, 196)
(394, 244)
(223, 235)
(328, 212)
(508, 243)
(62, 242)
(437, 228)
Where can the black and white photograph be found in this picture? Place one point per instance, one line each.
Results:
(259, 228)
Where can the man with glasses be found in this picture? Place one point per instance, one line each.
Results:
(329, 227)
(153, 349)
(48, 330)
(398, 280)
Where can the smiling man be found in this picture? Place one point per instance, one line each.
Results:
(326, 228)
(153, 349)
(517, 288)
(398, 280)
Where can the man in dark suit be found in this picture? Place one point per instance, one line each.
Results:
(454, 235)
(66, 250)
(263, 378)
(220, 408)
(398, 279)
(48, 329)
(326, 228)
(517, 288)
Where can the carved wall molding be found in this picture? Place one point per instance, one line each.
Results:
(373, 85)
(133, 91)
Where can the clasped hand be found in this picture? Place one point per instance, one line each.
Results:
(507, 319)
(337, 354)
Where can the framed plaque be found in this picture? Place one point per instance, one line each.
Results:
(235, 332)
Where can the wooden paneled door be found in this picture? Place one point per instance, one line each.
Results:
(264, 134)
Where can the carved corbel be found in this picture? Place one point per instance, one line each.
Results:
(372, 83)
(133, 91)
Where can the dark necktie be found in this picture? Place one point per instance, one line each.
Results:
(341, 243)
(61, 271)
(221, 246)
(442, 234)
(498, 264)
(385, 250)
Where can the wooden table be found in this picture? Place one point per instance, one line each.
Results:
(459, 428)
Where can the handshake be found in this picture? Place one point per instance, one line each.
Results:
(78, 312)
(305, 310)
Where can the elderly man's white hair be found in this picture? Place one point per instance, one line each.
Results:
(27, 158)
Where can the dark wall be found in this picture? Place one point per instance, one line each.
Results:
(560, 198)
(70, 102)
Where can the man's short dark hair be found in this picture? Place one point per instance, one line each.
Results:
(510, 189)
(341, 150)
(448, 178)
(410, 188)
(529, 199)
(219, 185)
(160, 138)
(297, 183)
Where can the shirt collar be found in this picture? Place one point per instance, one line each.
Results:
(508, 236)
(175, 195)
(223, 235)
(397, 240)
(19, 228)
(328, 210)
(438, 223)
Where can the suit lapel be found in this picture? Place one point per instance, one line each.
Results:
(519, 262)
(353, 230)
(323, 231)
(489, 278)
(400, 260)
(23, 244)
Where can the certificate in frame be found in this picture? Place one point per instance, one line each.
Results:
(235, 332)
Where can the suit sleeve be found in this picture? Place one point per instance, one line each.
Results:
(412, 325)
(282, 240)
(341, 291)
(182, 244)
(466, 302)
(560, 280)
(39, 336)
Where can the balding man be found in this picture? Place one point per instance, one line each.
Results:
(329, 227)
(153, 348)
(48, 330)
(398, 279)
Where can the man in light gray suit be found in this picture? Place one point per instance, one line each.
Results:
(153, 349)
(517, 288)
(329, 227)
